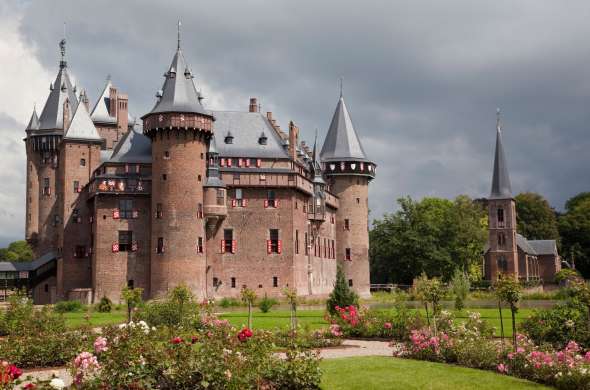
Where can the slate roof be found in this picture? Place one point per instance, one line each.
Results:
(34, 121)
(60, 90)
(7, 266)
(134, 147)
(100, 112)
(501, 188)
(342, 141)
(524, 244)
(544, 247)
(246, 128)
(81, 126)
(179, 93)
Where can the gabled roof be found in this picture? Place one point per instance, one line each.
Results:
(81, 126)
(544, 247)
(523, 243)
(179, 93)
(134, 147)
(10, 266)
(246, 128)
(342, 141)
(34, 121)
(501, 188)
(100, 112)
(60, 90)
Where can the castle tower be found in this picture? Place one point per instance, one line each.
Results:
(43, 220)
(503, 255)
(349, 172)
(179, 128)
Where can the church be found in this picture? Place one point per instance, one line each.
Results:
(214, 200)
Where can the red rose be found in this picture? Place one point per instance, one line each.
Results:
(194, 339)
(30, 386)
(14, 371)
(248, 332)
(176, 340)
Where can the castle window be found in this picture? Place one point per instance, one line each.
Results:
(306, 243)
(274, 244)
(55, 219)
(166, 155)
(358, 200)
(349, 282)
(333, 250)
(500, 217)
(215, 282)
(82, 162)
(159, 212)
(347, 224)
(275, 281)
(164, 176)
(200, 210)
(220, 197)
(46, 188)
(76, 216)
(160, 246)
(347, 254)
(228, 244)
(233, 282)
(296, 242)
(239, 198)
(270, 199)
(125, 240)
(131, 284)
(80, 251)
(200, 245)
(199, 178)
(125, 208)
(76, 186)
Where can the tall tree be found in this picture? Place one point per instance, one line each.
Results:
(17, 251)
(535, 218)
(574, 228)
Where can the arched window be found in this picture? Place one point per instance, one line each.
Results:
(500, 217)
(502, 264)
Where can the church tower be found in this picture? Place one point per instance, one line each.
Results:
(349, 172)
(43, 220)
(179, 128)
(502, 256)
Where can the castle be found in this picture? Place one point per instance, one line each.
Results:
(214, 200)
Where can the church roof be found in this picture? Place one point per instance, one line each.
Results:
(60, 90)
(81, 126)
(501, 188)
(544, 247)
(34, 121)
(342, 141)
(134, 147)
(246, 129)
(100, 112)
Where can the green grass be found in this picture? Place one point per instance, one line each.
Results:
(313, 319)
(366, 373)
(76, 319)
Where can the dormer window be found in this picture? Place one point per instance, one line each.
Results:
(172, 72)
(262, 140)
(187, 73)
(229, 138)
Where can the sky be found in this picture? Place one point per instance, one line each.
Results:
(422, 81)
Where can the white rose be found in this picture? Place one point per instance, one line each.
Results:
(57, 383)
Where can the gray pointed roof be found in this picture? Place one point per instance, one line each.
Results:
(100, 112)
(134, 147)
(62, 88)
(81, 126)
(179, 93)
(501, 188)
(34, 121)
(342, 141)
(544, 247)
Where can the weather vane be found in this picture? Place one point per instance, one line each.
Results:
(179, 24)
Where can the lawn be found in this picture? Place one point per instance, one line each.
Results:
(76, 319)
(313, 319)
(365, 373)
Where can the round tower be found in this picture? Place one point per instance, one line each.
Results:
(349, 172)
(179, 128)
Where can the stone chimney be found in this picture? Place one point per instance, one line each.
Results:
(66, 114)
(113, 102)
(122, 112)
(293, 140)
(253, 105)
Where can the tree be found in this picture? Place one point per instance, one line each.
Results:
(460, 286)
(535, 218)
(574, 228)
(509, 290)
(292, 299)
(430, 291)
(248, 297)
(182, 297)
(341, 295)
(132, 297)
(17, 251)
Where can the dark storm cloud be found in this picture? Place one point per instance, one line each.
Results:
(422, 79)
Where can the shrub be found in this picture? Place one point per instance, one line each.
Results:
(266, 304)
(460, 287)
(105, 305)
(178, 309)
(229, 302)
(68, 306)
(249, 298)
(132, 298)
(341, 295)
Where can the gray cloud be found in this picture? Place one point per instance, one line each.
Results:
(422, 79)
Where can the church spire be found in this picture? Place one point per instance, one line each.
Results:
(501, 188)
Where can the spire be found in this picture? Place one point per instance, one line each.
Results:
(81, 127)
(179, 93)
(501, 188)
(34, 121)
(317, 169)
(342, 141)
(100, 112)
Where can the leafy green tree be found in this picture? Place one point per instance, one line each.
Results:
(574, 228)
(17, 251)
(430, 291)
(249, 298)
(460, 286)
(535, 218)
(341, 295)
(132, 297)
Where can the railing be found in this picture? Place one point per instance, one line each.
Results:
(120, 185)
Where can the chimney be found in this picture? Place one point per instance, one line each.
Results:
(113, 102)
(253, 105)
(293, 139)
(269, 116)
(66, 114)
(122, 113)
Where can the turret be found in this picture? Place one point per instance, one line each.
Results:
(215, 190)
(111, 115)
(503, 254)
(349, 172)
(179, 128)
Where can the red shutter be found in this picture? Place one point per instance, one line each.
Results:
(247, 162)
(268, 246)
(135, 214)
(90, 250)
(134, 246)
(163, 248)
(277, 203)
(222, 162)
(244, 202)
(233, 203)
(126, 168)
(280, 246)
(234, 246)
(116, 214)
(48, 190)
(78, 189)
(137, 168)
(258, 162)
(222, 246)
(265, 203)
(229, 162)
(90, 219)
(115, 247)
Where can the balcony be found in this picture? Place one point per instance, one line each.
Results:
(120, 186)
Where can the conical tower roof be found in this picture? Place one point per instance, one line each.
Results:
(501, 188)
(60, 90)
(342, 141)
(100, 112)
(34, 121)
(81, 127)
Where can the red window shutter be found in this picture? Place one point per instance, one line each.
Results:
(280, 247)
(91, 219)
(229, 162)
(277, 203)
(134, 246)
(137, 168)
(135, 214)
(163, 248)
(268, 246)
(233, 203)
(115, 247)
(222, 246)
(48, 190)
(234, 246)
(222, 162)
(265, 203)
(126, 168)
(244, 202)
(247, 162)
(116, 214)
(258, 162)
(240, 162)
